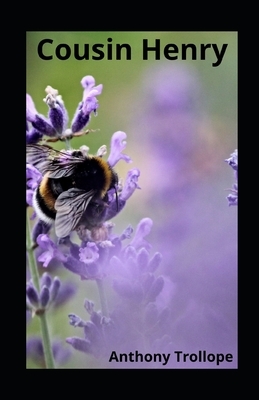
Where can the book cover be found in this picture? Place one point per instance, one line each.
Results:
(131, 199)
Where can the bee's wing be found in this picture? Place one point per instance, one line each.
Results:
(60, 169)
(47, 159)
(38, 156)
(70, 206)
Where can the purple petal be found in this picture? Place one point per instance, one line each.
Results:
(89, 253)
(118, 144)
(88, 82)
(142, 259)
(79, 121)
(45, 258)
(51, 250)
(79, 344)
(155, 289)
(90, 90)
(76, 321)
(54, 288)
(57, 118)
(33, 136)
(32, 296)
(154, 262)
(44, 296)
(131, 184)
(31, 111)
(45, 280)
(90, 104)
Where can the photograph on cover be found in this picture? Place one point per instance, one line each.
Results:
(131, 167)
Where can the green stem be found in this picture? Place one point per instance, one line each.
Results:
(48, 355)
(49, 359)
(102, 296)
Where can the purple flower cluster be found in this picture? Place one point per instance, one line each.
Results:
(40, 300)
(51, 294)
(233, 196)
(139, 317)
(55, 126)
(90, 259)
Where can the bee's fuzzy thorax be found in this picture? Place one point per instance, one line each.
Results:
(107, 175)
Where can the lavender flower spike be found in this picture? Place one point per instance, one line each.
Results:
(90, 91)
(87, 105)
(55, 125)
(57, 112)
(118, 144)
(39, 301)
(32, 296)
(38, 121)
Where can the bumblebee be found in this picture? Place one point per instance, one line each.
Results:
(74, 188)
